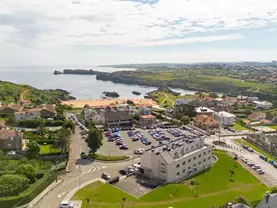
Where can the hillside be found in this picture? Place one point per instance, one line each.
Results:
(14, 93)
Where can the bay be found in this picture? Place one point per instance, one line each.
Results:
(80, 86)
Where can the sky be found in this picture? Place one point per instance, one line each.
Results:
(93, 32)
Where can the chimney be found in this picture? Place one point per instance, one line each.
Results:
(267, 196)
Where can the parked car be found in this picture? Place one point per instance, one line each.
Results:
(123, 172)
(256, 167)
(83, 155)
(124, 147)
(110, 139)
(106, 176)
(114, 180)
(119, 142)
(65, 204)
(139, 151)
(244, 160)
(260, 171)
(250, 149)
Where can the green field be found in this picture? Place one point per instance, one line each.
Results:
(240, 127)
(214, 189)
(49, 149)
(257, 149)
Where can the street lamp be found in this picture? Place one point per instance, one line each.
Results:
(176, 187)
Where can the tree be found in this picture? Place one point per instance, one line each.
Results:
(274, 190)
(12, 185)
(185, 109)
(42, 129)
(1, 154)
(136, 117)
(213, 95)
(11, 121)
(94, 139)
(89, 124)
(63, 139)
(185, 120)
(130, 102)
(231, 175)
(26, 170)
(69, 125)
(33, 150)
(240, 199)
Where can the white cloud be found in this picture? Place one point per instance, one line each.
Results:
(60, 24)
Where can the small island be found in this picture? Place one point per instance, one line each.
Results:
(111, 94)
(56, 72)
(136, 93)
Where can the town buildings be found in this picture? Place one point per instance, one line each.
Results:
(10, 140)
(269, 201)
(118, 116)
(147, 120)
(36, 113)
(96, 115)
(10, 109)
(207, 123)
(144, 110)
(204, 111)
(266, 142)
(182, 101)
(257, 116)
(224, 118)
(263, 105)
(177, 160)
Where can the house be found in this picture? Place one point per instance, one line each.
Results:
(170, 112)
(252, 99)
(266, 142)
(206, 123)
(269, 201)
(263, 104)
(225, 118)
(269, 119)
(147, 120)
(257, 116)
(10, 109)
(115, 117)
(10, 140)
(36, 113)
(204, 111)
(239, 205)
(176, 161)
(144, 110)
(95, 115)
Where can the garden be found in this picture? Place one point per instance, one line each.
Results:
(223, 182)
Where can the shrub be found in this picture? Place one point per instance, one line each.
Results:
(26, 170)
(11, 185)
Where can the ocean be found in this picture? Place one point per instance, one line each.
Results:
(80, 86)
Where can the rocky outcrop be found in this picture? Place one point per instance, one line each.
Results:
(111, 94)
(136, 93)
(78, 72)
(56, 72)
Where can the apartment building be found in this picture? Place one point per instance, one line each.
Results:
(117, 116)
(263, 104)
(10, 140)
(36, 113)
(147, 120)
(177, 160)
(207, 123)
(204, 111)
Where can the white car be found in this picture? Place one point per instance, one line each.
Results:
(139, 151)
(65, 204)
(260, 171)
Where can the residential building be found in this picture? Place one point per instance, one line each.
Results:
(257, 116)
(10, 109)
(144, 110)
(269, 201)
(204, 111)
(206, 123)
(182, 101)
(170, 112)
(2, 124)
(241, 97)
(36, 113)
(147, 120)
(115, 117)
(239, 205)
(10, 140)
(225, 118)
(266, 142)
(96, 115)
(252, 99)
(269, 119)
(263, 104)
(177, 160)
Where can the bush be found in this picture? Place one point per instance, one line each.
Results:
(26, 170)
(11, 185)
(107, 158)
(37, 123)
(30, 193)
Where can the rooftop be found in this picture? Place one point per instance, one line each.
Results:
(226, 114)
(203, 110)
(147, 116)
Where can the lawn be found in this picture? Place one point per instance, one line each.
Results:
(108, 158)
(48, 149)
(273, 127)
(240, 127)
(257, 149)
(214, 189)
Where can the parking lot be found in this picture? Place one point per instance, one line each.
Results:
(143, 140)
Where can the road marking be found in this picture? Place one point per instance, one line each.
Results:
(104, 166)
(90, 168)
(60, 195)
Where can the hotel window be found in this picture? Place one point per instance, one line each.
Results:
(199, 155)
(204, 160)
(199, 163)
(209, 158)
(162, 171)
(196, 145)
(177, 166)
(184, 162)
(162, 164)
(184, 170)
(177, 173)
(194, 165)
(191, 147)
(189, 160)
(187, 149)
(194, 158)
(209, 151)
(204, 153)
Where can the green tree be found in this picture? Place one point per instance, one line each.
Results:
(136, 117)
(42, 129)
(185, 110)
(26, 170)
(240, 199)
(1, 154)
(33, 150)
(11, 121)
(89, 124)
(130, 102)
(185, 120)
(12, 185)
(274, 190)
(213, 95)
(63, 139)
(69, 125)
(94, 139)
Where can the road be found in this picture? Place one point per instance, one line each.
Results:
(270, 175)
(81, 172)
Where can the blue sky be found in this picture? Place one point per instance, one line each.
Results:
(92, 32)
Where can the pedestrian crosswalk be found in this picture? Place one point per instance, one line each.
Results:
(85, 169)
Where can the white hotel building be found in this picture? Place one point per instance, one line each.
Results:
(180, 159)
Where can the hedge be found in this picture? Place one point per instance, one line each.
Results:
(28, 195)
(107, 158)
(36, 123)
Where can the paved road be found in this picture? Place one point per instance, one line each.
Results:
(270, 172)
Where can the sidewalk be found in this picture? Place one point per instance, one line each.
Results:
(39, 197)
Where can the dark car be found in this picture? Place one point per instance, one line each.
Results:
(124, 147)
(123, 172)
(83, 155)
(106, 176)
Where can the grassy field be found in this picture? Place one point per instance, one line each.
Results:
(48, 149)
(273, 127)
(240, 127)
(214, 189)
(257, 149)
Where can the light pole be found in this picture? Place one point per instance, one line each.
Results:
(176, 187)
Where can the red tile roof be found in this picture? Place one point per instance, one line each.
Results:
(147, 116)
